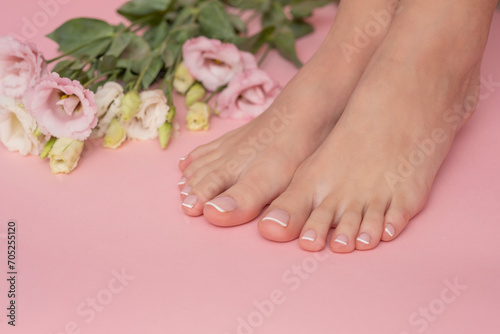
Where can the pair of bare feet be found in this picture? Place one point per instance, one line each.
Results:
(356, 138)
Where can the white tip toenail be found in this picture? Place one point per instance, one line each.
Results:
(183, 158)
(218, 208)
(363, 241)
(184, 193)
(387, 229)
(276, 221)
(188, 205)
(341, 239)
(364, 238)
(309, 235)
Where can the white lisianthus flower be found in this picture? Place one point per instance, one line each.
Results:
(64, 155)
(18, 127)
(151, 115)
(108, 100)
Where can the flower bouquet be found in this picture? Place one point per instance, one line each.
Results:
(116, 82)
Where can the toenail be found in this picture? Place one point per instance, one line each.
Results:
(183, 158)
(182, 181)
(390, 230)
(309, 235)
(223, 204)
(186, 190)
(278, 216)
(342, 239)
(364, 238)
(190, 201)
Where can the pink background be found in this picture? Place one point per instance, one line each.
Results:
(121, 210)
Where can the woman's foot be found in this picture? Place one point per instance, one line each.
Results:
(231, 179)
(375, 169)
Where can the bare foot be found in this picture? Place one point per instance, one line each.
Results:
(376, 168)
(231, 179)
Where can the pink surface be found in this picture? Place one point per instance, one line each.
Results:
(121, 211)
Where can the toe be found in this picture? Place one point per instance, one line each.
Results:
(196, 154)
(315, 231)
(245, 200)
(286, 216)
(371, 228)
(344, 237)
(395, 221)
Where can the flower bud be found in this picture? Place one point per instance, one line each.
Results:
(164, 134)
(198, 117)
(115, 135)
(195, 94)
(64, 155)
(182, 79)
(131, 103)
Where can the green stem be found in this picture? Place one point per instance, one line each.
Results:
(143, 73)
(218, 90)
(67, 53)
(265, 54)
(94, 79)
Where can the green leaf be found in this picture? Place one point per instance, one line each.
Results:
(238, 24)
(260, 5)
(215, 23)
(275, 16)
(254, 43)
(153, 70)
(284, 42)
(301, 28)
(302, 9)
(157, 34)
(185, 32)
(144, 10)
(169, 53)
(137, 50)
(83, 36)
(119, 44)
(63, 65)
(107, 64)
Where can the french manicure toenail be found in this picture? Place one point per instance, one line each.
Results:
(364, 238)
(186, 190)
(390, 230)
(278, 216)
(183, 158)
(182, 181)
(190, 201)
(309, 235)
(223, 204)
(342, 239)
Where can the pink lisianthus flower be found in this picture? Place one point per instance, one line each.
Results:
(248, 95)
(21, 66)
(62, 108)
(214, 63)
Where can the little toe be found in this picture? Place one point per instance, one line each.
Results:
(395, 221)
